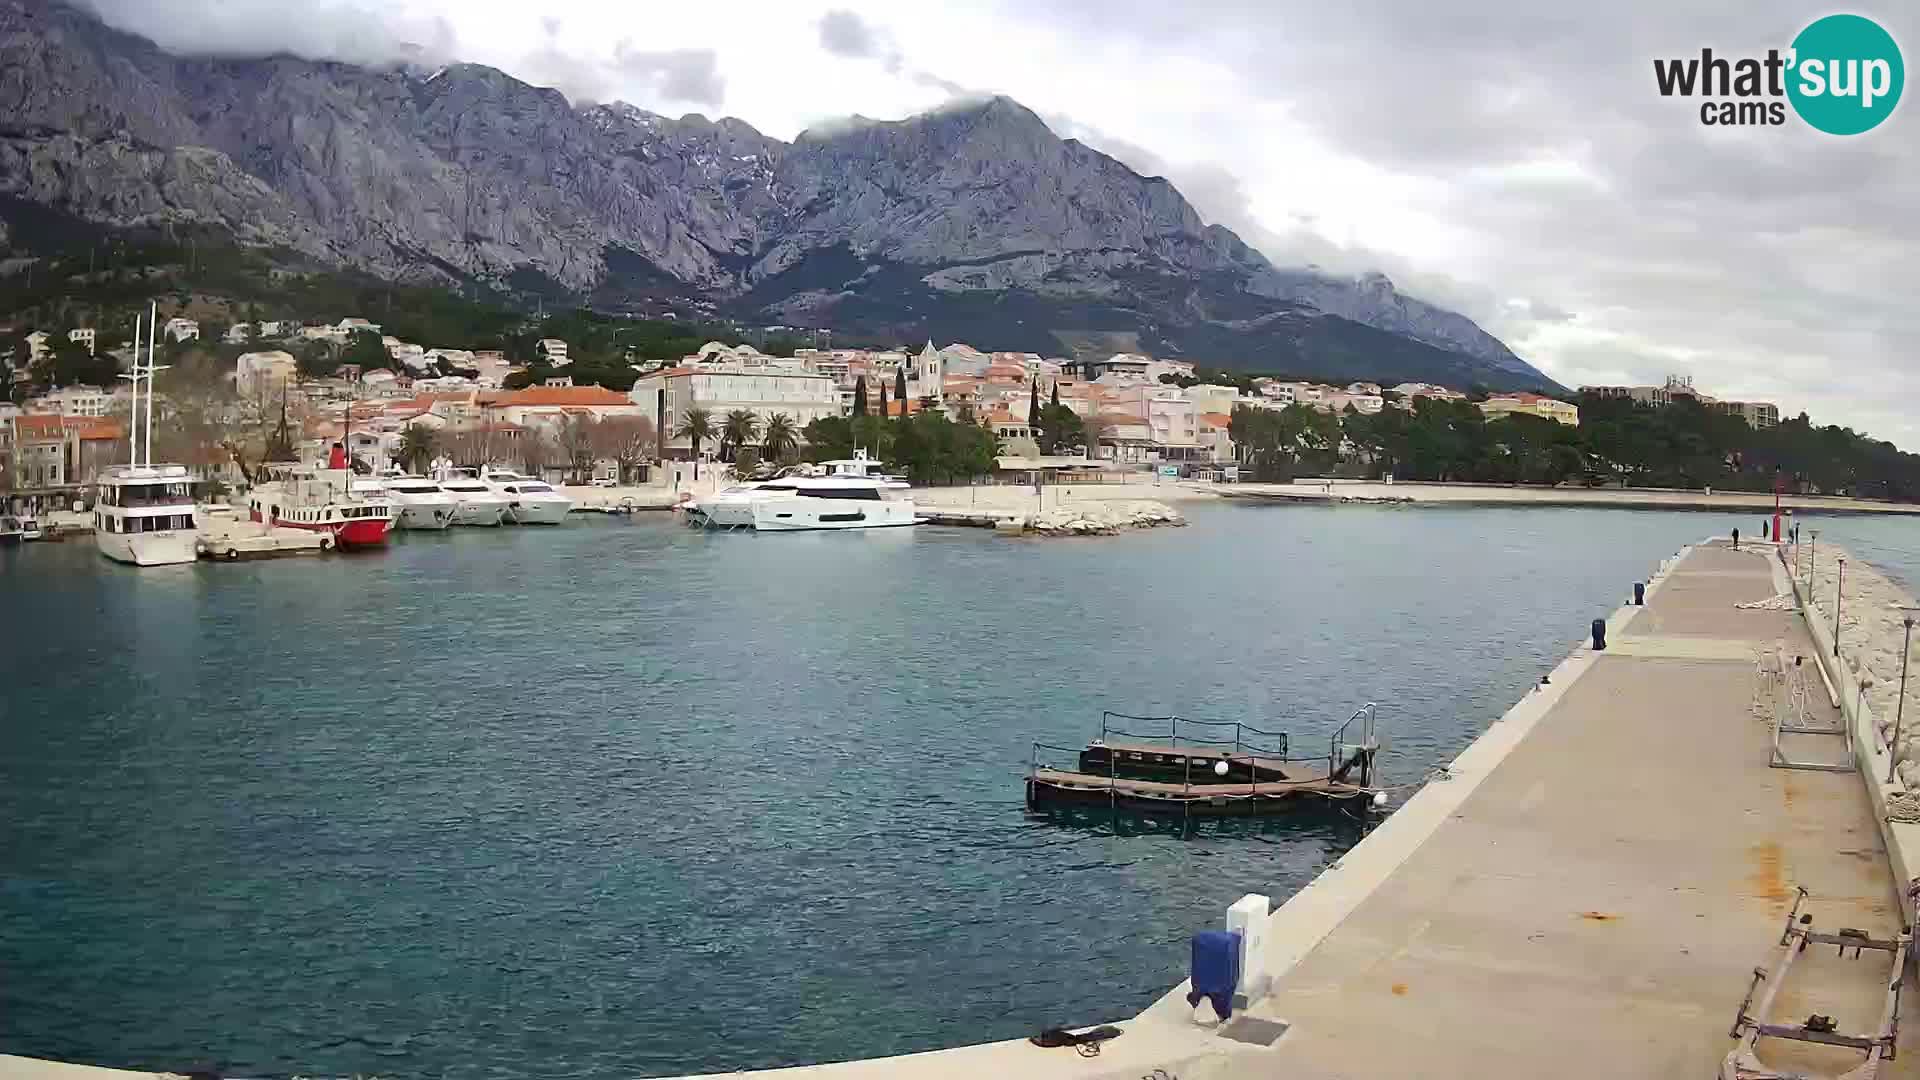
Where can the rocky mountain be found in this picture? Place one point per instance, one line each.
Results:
(973, 222)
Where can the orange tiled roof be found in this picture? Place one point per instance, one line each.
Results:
(38, 426)
(563, 395)
(1217, 419)
(96, 427)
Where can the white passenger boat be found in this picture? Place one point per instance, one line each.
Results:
(143, 514)
(476, 502)
(529, 501)
(801, 503)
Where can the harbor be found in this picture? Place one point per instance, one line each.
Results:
(1588, 847)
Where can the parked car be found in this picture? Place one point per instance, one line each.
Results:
(605, 481)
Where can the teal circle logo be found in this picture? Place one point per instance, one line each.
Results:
(1846, 74)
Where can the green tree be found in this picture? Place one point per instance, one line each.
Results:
(417, 446)
(900, 383)
(366, 349)
(860, 396)
(68, 363)
(830, 437)
(740, 428)
(698, 426)
(1060, 430)
(780, 439)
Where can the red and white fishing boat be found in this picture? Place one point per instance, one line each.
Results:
(322, 500)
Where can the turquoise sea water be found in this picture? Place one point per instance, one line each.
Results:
(619, 799)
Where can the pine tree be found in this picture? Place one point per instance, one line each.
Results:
(860, 396)
(1056, 394)
(900, 382)
(1033, 406)
(883, 402)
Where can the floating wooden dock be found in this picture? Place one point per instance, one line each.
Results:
(1195, 769)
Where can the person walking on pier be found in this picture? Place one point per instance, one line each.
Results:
(1736, 538)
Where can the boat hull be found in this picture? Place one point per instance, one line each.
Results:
(429, 516)
(485, 515)
(358, 533)
(538, 512)
(165, 548)
(811, 515)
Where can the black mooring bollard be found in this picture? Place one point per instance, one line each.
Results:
(1639, 594)
(1599, 634)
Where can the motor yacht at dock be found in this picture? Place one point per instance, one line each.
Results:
(476, 503)
(529, 501)
(419, 503)
(802, 503)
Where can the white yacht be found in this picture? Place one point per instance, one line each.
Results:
(143, 514)
(420, 503)
(529, 501)
(799, 503)
(475, 502)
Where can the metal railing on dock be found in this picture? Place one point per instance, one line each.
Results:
(1364, 716)
(1174, 737)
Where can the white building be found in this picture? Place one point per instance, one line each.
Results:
(764, 390)
(1410, 390)
(76, 400)
(239, 333)
(36, 346)
(257, 374)
(553, 351)
(82, 334)
(179, 329)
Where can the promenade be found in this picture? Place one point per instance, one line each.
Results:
(1591, 891)
(1422, 492)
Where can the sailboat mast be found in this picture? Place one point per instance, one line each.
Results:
(153, 332)
(133, 414)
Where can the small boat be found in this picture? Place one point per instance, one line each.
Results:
(529, 501)
(321, 500)
(1218, 768)
(29, 529)
(9, 529)
(804, 503)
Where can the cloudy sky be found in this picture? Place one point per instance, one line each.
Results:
(1509, 159)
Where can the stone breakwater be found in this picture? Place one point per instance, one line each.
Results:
(1103, 518)
(1871, 633)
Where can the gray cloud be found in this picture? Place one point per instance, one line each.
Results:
(678, 74)
(845, 33)
(1759, 260)
(340, 30)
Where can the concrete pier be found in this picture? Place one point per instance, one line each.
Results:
(1591, 891)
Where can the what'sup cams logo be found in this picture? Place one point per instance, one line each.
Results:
(1842, 75)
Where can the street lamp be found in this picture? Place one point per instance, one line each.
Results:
(1839, 584)
(1900, 706)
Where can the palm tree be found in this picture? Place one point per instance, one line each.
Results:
(740, 428)
(780, 437)
(697, 425)
(416, 445)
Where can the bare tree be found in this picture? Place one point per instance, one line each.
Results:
(575, 437)
(628, 440)
(537, 449)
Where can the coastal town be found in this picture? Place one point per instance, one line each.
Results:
(419, 401)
